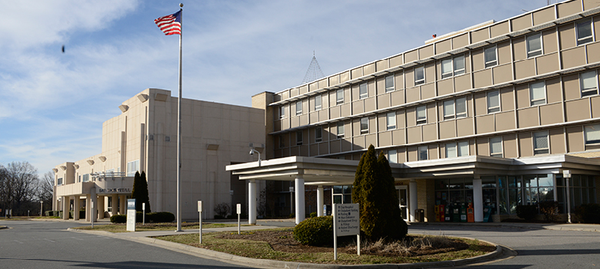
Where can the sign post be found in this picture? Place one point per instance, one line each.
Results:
(200, 220)
(239, 212)
(143, 213)
(567, 175)
(92, 213)
(346, 222)
(130, 215)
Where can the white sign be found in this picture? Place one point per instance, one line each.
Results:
(130, 215)
(566, 173)
(200, 206)
(239, 209)
(347, 220)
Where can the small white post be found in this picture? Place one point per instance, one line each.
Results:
(42, 208)
(92, 214)
(200, 220)
(567, 175)
(358, 244)
(143, 213)
(239, 212)
(334, 232)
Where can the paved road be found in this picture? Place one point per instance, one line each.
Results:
(536, 248)
(35, 244)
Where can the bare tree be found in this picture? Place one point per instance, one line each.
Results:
(18, 182)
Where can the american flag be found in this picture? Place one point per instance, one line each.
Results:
(170, 24)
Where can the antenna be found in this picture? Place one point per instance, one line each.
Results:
(314, 71)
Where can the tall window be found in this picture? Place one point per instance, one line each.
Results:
(496, 146)
(318, 102)
(363, 91)
(451, 150)
(584, 32)
(463, 148)
(592, 134)
(389, 83)
(281, 112)
(446, 68)
(133, 167)
(455, 66)
(281, 142)
(390, 119)
(392, 156)
(459, 65)
(461, 107)
(588, 83)
(493, 101)
(364, 125)
(319, 134)
(299, 107)
(339, 96)
(537, 93)
(419, 75)
(489, 55)
(449, 109)
(298, 138)
(422, 150)
(86, 177)
(421, 115)
(540, 143)
(59, 181)
(534, 45)
(340, 130)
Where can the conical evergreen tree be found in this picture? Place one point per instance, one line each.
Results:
(140, 192)
(144, 196)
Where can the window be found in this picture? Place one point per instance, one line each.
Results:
(364, 125)
(493, 101)
(592, 134)
(584, 32)
(133, 167)
(537, 93)
(459, 65)
(317, 102)
(79, 178)
(419, 75)
(392, 157)
(340, 130)
(588, 83)
(451, 150)
(318, 134)
(422, 153)
(461, 107)
(281, 142)
(463, 149)
(534, 45)
(299, 107)
(389, 83)
(449, 109)
(496, 146)
(298, 138)
(86, 178)
(421, 115)
(446, 68)
(363, 91)
(281, 112)
(390, 119)
(59, 181)
(339, 96)
(540, 143)
(489, 55)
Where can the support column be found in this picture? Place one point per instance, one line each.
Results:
(101, 207)
(94, 210)
(320, 201)
(413, 202)
(252, 202)
(477, 199)
(299, 188)
(66, 201)
(76, 207)
(88, 207)
(115, 204)
(122, 204)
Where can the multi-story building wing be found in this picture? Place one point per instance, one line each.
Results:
(491, 116)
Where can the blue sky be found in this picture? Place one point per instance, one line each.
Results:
(53, 104)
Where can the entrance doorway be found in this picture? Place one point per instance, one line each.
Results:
(402, 192)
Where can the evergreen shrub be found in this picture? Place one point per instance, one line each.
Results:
(527, 212)
(588, 213)
(316, 231)
(118, 218)
(160, 217)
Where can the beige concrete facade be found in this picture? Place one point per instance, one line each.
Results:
(144, 138)
(525, 87)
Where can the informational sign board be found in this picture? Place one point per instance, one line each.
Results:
(347, 219)
(131, 215)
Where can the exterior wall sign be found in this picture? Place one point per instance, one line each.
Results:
(114, 190)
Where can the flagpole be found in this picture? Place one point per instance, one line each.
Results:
(179, 128)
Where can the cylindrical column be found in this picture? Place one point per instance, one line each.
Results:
(123, 204)
(65, 207)
(299, 188)
(320, 201)
(477, 200)
(88, 207)
(114, 200)
(76, 199)
(252, 202)
(101, 207)
(412, 206)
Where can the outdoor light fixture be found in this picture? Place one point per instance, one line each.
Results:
(252, 151)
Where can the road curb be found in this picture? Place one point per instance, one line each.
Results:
(263, 263)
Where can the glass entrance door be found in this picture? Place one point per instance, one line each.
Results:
(402, 192)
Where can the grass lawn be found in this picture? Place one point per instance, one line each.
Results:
(122, 227)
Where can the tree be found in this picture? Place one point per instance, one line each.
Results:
(140, 192)
(18, 185)
(375, 193)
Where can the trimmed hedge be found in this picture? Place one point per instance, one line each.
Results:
(160, 217)
(316, 231)
(118, 218)
(588, 213)
(527, 212)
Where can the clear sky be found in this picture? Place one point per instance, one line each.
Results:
(53, 104)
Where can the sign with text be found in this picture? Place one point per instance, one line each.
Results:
(130, 215)
(346, 220)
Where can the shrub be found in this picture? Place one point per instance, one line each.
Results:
(118, 218)
(527, 212)
(315, 231)
(222, 210)
(549, 209)
(588, 213)
(312, 214)
(160, 217)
